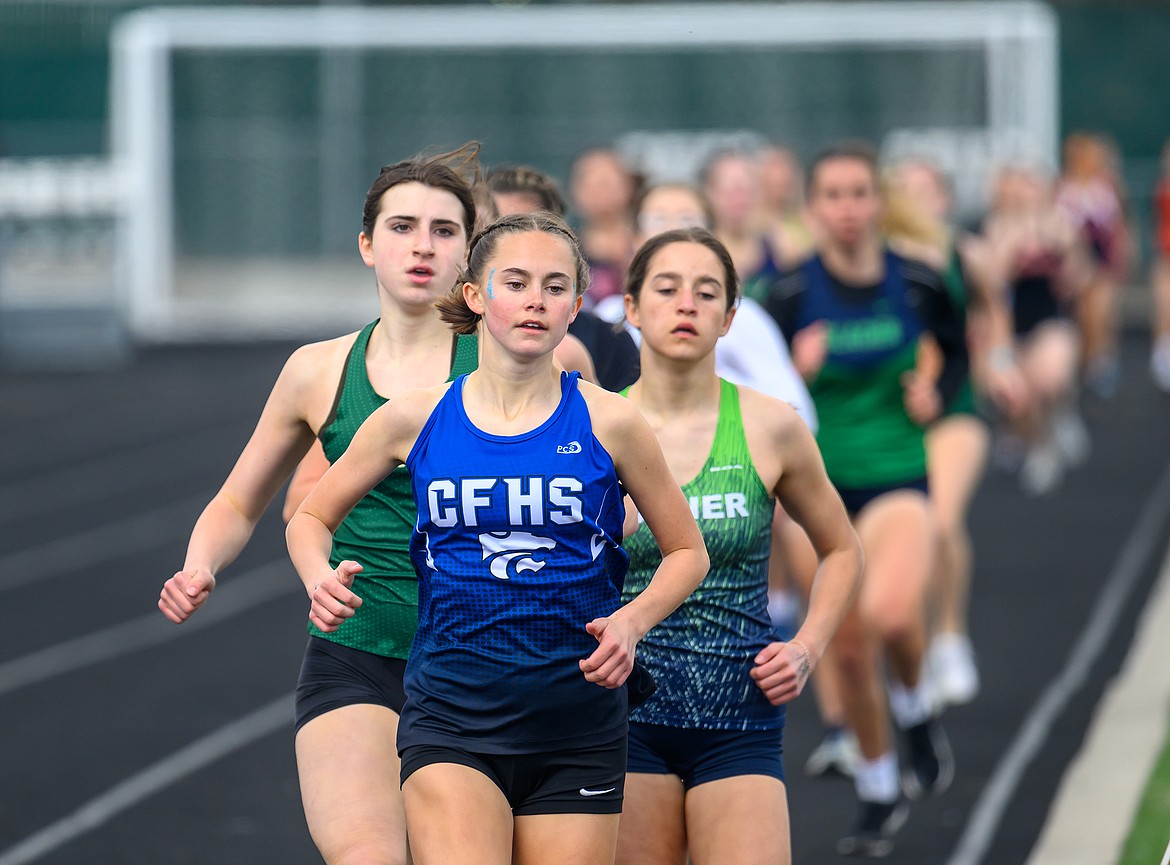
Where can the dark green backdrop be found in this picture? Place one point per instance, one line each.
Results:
(1115, 78)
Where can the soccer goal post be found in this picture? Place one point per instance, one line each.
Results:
(249, 135)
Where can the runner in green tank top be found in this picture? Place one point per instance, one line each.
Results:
(377, 531)
(733, 509)
(856, 315)
(723, 675)
(416, 223)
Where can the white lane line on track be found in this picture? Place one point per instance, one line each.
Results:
(997, 795)
(134, 534)
(88, 481)
(236, 595)
(142, 785)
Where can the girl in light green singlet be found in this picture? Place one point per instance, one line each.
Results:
(704, 774)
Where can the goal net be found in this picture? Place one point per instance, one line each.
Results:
(250, 135)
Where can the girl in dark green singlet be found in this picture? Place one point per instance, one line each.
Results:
(377, 531)
(704, 756)
(416, 223)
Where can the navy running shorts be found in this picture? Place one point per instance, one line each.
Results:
(698, 756)
(333, 676)
(588, 780)
(856, 498)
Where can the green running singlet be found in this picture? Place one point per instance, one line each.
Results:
(376, 534)
(701, 655)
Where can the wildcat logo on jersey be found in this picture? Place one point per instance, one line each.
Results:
(511, 552)
(570, 448)
(596, 545)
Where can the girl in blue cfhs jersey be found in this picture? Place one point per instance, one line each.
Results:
(513, 736)
(705, 773)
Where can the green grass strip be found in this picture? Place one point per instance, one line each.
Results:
(1150, 831)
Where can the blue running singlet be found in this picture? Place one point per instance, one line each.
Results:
(517, 548)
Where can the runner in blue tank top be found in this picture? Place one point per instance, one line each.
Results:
(514, 730)
(706, 778)
(536, 538)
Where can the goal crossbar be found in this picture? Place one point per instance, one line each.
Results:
(1021, 91)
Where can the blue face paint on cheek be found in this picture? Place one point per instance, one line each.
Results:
(491, 276)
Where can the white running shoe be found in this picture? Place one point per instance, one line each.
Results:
(1071, 436)
(954, 678)
(837, 754)
(1042, 471)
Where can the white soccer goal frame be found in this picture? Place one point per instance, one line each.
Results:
(1024, 106)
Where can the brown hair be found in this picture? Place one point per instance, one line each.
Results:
(453, 308)
(456, 171)
(857, 151)
(486, 211)
(528, 181)
(636, 273)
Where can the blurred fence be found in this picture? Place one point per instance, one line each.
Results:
(274, 152)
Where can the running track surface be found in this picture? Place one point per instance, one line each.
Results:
(126, 739)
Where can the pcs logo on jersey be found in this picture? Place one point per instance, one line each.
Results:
(512, 552)
(573, 447)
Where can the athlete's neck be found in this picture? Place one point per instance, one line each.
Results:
(509, 397)
(671, 389)
(858, 264)
(402, 335)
